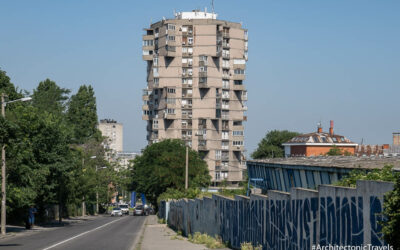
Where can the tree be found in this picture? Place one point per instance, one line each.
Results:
(271, 145)
(390, 226)
(48, 96)
(7, 87)
(162, 166)
(384, 174)
(82, 115)
(334, 151)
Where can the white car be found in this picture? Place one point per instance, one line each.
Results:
(116, 211)
(124, 208)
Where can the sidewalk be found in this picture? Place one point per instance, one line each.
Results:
(160, 237)
(16, 231)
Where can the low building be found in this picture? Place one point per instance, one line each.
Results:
(318, 143)
(310, 172)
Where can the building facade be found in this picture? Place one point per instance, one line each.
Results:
(113, 132)
(318, 143)
(195, 88)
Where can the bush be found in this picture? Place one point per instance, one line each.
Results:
(249, 246)
(384, 174)
(207, 240)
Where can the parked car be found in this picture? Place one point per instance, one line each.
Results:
(116, 211)
(150, 210)
(139, 210)
(124, 208)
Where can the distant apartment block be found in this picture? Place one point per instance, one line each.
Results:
(195, 88)
(396, 139)
(113, 132)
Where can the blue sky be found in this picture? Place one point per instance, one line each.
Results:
(308, 60)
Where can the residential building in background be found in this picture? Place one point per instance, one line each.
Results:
(396, 139)
(195, 88)
(318, 143)
(113, 132)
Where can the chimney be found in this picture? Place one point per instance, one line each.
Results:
(331, 129)
(319, 128)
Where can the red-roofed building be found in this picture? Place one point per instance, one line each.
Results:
(318, 143)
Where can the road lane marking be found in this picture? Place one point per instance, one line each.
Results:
(79, 235)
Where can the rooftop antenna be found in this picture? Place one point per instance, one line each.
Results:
(212, 6)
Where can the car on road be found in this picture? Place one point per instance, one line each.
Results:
(116, 211)
(139, 210)
(124, 208)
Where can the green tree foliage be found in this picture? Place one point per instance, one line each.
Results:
(48, 96)
(45, 166)
(162, 166)
(334, 151)
(384, 174)
(391, 211)
(271, 145)
(82, 115)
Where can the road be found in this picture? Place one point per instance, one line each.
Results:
(104, 232)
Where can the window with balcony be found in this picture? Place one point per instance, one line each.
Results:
(155, 61)
(156, 81)
(225, 135)
(171, 90)
(217, 154)
(147, 52)
(203, 69)
(171, 26)
(155, 123)
(239, 61)
(155, 71)
(237, 143)
(225, 93)
(238, 82)
(202, 79)
(170, 100)
(225, 145)
(171, 111)
(187, 81)
(190, 40)
(225, 63)
(225, 73)
(148, 42)
(237, 123)
(237, 133)
(239, 71)
(170, 38)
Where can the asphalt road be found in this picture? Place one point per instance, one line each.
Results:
(104, 232)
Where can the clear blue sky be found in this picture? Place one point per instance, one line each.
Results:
(308, 60)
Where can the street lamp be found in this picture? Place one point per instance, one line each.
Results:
(3, 165)
(97, 191)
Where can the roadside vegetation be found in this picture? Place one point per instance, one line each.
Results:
(52, 150)
(208, 241)
(249, 246)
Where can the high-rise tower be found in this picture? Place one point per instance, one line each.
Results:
(195, 88)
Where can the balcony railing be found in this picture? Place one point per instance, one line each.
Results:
(203, 74)
(186, 126)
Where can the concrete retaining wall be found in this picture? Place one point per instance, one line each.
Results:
(281, 220)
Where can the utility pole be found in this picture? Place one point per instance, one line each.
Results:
(3, 174)
(187, 168)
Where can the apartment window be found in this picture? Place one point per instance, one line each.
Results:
(155, 61)
(225, 84)
(203, 80)
(239, 71)
(171, 91)
(237, 143)
(203, 58)
(225, 135)
(170, 111)
(225, 73)
(225, 145)
(190, 40)
(184, 60)
(155, 71)
(170, 100)
(218, 176)
(225, 63)
(184, 28)
(156, 81)
(171, 38)
(148, 42)
(155, 123)
(147, 52)
(238, 82)
(171, 27)
(187, 81)
(190, 51)
(203, 69)
(239, 61)
(237, 133)
(184, 50)
(218, 154)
